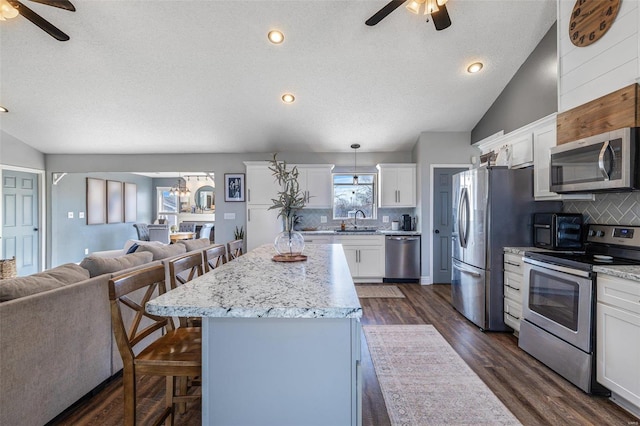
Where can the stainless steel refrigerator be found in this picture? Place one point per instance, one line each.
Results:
(492, 208)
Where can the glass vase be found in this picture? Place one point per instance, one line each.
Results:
(289, 243)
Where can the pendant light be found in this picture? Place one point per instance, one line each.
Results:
(355, 147)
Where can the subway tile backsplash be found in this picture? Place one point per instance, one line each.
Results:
(620, 208)
(310, 218)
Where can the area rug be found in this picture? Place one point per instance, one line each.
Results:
(425, 382)
(375, 290)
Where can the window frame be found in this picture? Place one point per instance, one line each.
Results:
(374, 194)
(172, 216)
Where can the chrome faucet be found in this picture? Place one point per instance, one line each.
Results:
(355, 218)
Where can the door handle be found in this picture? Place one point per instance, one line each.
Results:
(248, 195)
(437, 231)
(35, 229)
(603, 151)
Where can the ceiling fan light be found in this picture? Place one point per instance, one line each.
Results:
(414, 7)
(7, 11)
(441, 2)
(431, 7)
(3, 109)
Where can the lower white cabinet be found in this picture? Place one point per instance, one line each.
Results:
(317, 239)
(262, 225)
(365, 256)
(513, 290)
(618, 339)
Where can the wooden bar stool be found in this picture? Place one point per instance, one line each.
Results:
(234, 249)
(177, 353)
(214, 256)
(182, 270)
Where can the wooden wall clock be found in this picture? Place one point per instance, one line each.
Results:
(591, 19)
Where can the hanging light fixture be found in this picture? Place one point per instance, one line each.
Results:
(7, 11)
(424, 7)
(355, 147)
(179, 189)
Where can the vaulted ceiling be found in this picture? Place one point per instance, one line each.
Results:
(191, 76)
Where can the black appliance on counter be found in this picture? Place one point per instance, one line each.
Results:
(406, 223)
(558, 326)
(557, 231)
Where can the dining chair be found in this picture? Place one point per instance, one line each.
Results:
(183, 269)
(214, 256)
(187, 227)
(234, 249)
(142, 230)
(177, 353)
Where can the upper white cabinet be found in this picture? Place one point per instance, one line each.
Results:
(261, 184)
(397, 185)
(521, 151)
(315, 184)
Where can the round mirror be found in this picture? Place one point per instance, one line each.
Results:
(205, 198)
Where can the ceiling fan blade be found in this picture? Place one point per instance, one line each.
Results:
(60, 4)
(382, 13)
(39, 21)
(441, 18)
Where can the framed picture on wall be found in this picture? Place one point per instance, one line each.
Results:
(115, 209)
(130, 202)
(234, 187)
(96, 201)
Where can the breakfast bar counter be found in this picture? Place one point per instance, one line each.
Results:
(281, 340)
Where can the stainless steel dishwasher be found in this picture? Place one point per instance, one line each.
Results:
(402, 258)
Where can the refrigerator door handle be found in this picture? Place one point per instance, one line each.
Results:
(461, 268)
(463, 217)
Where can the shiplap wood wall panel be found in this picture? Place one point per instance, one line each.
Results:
(613, 62)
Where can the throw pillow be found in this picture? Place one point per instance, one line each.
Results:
(195, 244)
(97, 265)
(15, 288)
(133, 248)
(164, 251)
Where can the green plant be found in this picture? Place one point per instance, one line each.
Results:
(238, 234)
(290, 199)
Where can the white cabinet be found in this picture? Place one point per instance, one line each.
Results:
(513, 290)
(618, 339)
(397, 185)
(521, 150)
(365, 256)
(317, 239)
(262, 224)
(315, 184)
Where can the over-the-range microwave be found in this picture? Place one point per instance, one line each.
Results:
(605, 162)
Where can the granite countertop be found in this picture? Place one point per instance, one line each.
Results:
(255, 286)
(629, 272)
(368, 232)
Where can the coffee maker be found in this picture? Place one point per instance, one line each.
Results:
(405, 222)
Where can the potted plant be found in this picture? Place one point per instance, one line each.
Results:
(289, 201)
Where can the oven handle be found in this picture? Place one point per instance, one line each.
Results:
(558, 268)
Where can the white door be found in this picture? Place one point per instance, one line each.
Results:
(20, 227)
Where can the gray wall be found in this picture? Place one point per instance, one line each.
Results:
(436, 148)
(70, 237)
(14, 152)
(531, 94)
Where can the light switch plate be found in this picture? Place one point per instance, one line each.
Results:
(385, 219)
(230, 216)
(70, 215)
(80, 215)
(323, 219)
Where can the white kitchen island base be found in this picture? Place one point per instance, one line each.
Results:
(275, 371)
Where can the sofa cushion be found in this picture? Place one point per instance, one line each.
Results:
(163, 251)
(195, 244)
(97, 265)
(59, 276)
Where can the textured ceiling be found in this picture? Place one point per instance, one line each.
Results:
(200, 76)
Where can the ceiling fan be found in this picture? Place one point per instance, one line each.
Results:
(34, 17)
(436, 8)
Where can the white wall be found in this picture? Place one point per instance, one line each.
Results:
(609, 64)
(441, 148)
(14, 152)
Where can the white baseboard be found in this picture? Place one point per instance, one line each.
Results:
(426, 280)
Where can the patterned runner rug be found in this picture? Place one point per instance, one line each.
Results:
(425, 382)
(376, 290)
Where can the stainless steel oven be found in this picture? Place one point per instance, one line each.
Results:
(558, 326)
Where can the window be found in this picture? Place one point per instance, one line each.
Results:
(349, 198)
(167, 205)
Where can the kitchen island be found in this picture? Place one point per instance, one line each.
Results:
(281, 341)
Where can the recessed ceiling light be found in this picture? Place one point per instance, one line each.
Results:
(3, 109)
(474, 68)
(275, 37)
(288, 98)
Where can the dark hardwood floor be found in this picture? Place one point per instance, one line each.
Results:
(535, 394)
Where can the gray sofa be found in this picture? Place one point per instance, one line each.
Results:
(57, 345)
